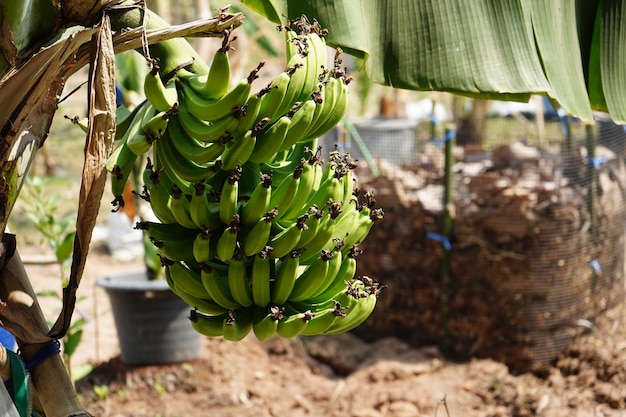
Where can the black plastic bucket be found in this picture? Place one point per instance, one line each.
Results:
(152, 322)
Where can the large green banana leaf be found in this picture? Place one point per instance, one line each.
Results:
(573, 51)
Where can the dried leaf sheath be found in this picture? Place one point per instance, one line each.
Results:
(97, 148)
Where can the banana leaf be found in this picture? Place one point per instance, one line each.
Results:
(572, 51)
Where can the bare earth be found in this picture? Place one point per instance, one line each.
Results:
(334, 375)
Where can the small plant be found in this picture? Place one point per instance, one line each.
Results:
(42, 211)
(101, 391)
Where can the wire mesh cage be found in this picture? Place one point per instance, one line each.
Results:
(533, 252)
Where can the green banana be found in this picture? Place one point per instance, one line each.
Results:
(214, 84)
(239, 281)
(177, 165)
(316, 216)
(180, 207)
(84, 122)
(286, 274)
(229, 196)
(166, 177)
(324, 237)
(161, 96)
(331, 191)
(260, 278)
(355, 316)
(323, 319)
(204, 305)
(140, 143)
(273, 96)
(283, 194)
(336, 114)
(165, 231)
(213, 110)
(292, 40)
(347, 221)
(154, 125)
(334, 265)
(216, 286)
(325, 100)
(124, 117)
(191, 148)
(247, 115)
(317, 58)
(203, 246)
(204, 132)
(211, 326)
(305, 188)
(134, 137)
(120, 164)
(310, 65)
(156, 193)
(310, 281)
(269, 141)
(238, 324)
(287, 240)
(265, 322)
(331, 90)
(293, 324)
(175, 249)
(238, 150)
(256, 239)
(227, 242)
(301, 119)
(297, 76)
(349, 182)
(259, 201)
(366, 219)
(344, 275)
(187, 280)
(204, 213)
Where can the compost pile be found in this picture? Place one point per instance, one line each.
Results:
(531, 262)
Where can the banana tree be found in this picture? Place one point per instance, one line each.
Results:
(506, 49)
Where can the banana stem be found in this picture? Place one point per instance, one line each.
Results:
(172, 53)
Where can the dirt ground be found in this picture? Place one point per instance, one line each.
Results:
(333, 375)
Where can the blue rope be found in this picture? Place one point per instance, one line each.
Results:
(50, 348)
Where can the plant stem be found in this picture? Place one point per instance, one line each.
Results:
(447, 223)
(592, 179)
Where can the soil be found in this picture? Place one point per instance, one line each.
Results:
(336, 375)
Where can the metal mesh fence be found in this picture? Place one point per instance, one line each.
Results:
(536, 249)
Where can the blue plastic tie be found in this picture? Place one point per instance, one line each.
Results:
(595, 265)
(597, 161)
(450, 135)
(51, 348)
(438, 142)
(440, 238)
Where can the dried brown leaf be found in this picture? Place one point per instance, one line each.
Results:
(99, 141)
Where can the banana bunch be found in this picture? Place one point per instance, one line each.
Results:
(256, 232)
